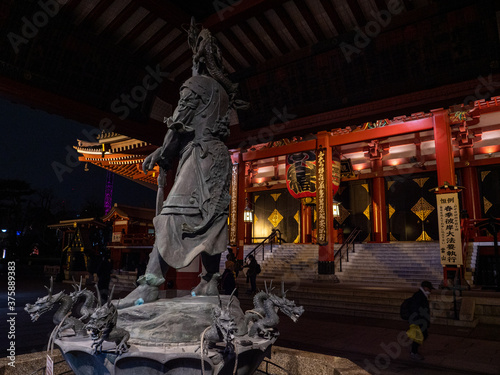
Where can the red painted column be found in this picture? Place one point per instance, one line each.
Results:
(379, 210)
(445, 164)
(326, 249)
(470, 195)
(305, 223)
(379, 221)
(444, 149)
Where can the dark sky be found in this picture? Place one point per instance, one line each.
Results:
(34, 141)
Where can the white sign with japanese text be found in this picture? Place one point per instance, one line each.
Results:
(450, 240)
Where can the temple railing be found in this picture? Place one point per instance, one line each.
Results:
(275, 235)
(344, 249)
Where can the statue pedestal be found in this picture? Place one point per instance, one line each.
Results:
(165, 338)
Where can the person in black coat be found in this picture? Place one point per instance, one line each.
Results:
(420, 314)
(252, 272)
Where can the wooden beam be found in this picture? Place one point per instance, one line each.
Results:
(310, 20)
(384, 132)
(155, 39)
(273, 34)
(278, 151)
(290, 26)
(168, 11)
(124, 15)
(232, 15)
(357, 12)
(265, 188)
(237, 45)
(334, 16)
(171, 47)
(256, 40)
(95, 13)
(139, 28)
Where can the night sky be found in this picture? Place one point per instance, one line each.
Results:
(33, 141)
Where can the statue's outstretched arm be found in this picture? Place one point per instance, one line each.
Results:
(164, 155)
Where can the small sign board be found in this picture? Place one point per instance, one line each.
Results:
(49, 366)
(450, 240)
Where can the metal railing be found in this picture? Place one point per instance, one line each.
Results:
(350, 241)
(275, 234)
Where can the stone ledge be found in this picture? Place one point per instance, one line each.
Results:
(295, 362)
(298, 362)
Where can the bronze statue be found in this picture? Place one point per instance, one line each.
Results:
(193, 218)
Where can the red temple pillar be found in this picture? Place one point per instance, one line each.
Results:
(305, 223)
(445, 164)
(324, 204)
(379, 211)
(444, 149)
(471, 194)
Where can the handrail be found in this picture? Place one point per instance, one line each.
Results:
(272, 236)
(350, 240)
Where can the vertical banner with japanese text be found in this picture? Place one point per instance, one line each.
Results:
(450, 240)
(233, 207)
(321, 198)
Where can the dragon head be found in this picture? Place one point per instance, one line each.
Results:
(287, 307)
(103, 317)
(43, 304)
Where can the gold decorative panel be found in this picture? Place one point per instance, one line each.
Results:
(343, 215)
(487, 204)
(484, 174)
(421, 181)
(297, 239)
(391, 237)
(422, 209)
(367, 188)
(389, 184)
(255, 197)
(275, 196)
(391, 211)
(366, 212)
(297, 217)
(424, 237)
(275, 218)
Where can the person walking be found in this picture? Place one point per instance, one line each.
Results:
(420, 318)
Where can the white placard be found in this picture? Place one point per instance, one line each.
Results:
(450, 240)
(49, 366)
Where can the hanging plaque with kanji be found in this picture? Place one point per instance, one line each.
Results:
(450, 240)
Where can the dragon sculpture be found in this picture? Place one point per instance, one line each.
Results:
(102, 326)
(89, 301)
(264, 315)
(223, 326)
(66, 302)
(207, 59)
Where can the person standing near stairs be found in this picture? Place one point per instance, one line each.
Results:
(420, 316)
(253, 271)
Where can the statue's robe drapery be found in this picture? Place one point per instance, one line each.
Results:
(193, 218)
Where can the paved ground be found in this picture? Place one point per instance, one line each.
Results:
(374, 344)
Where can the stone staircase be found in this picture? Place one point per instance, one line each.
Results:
(400, 264)
(375, 281)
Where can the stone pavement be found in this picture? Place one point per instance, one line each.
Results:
(381, 347)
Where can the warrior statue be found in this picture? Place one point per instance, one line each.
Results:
(193, 218)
